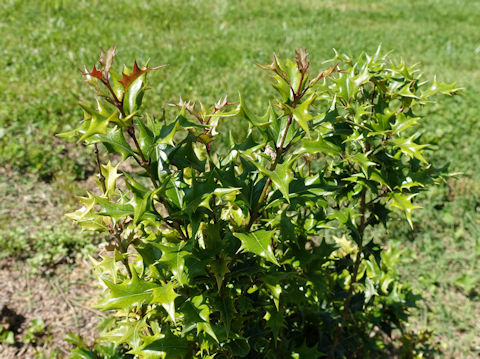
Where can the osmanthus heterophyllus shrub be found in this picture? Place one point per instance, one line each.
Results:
(257, 243)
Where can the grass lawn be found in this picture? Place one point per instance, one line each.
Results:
(211, 47)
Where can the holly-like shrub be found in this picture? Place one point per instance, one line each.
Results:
(239, 235)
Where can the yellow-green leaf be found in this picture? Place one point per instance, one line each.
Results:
(166, 297)
(404, 203)
(259, 243)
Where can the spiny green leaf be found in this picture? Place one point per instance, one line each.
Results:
(117, 210)
(293, 74)
(404, 203)
(198, 194)
(184, 123)
(362, 78)
(114, 141)
(167, 133)
(130, 293)
(346, 217)
(404, 122)
(301, 113)
(440, 87)
(274, 320)
(319, 146)
(75, 132)
(224, 304)
(126, 332)
(280, 177)
(219, 269)
(107, 266)
(306, 352)
(244, 112)
(370, 289)
(378, 176)
(283, 88)
(346, 85)
(146, 138)
(184, 156)
(196, 314)
(259, 243)
(275, 291)
(82, 353)
(239, 347)
(111, 175)
(363, 161)
(164, 346)
(407, 92)
(410, 148)
(166, 297)
(134, 94)
(143, 206)
(276, 130)
(117, 87)
(97, 125)
(88, 205)
(173, 259)
(248, 147)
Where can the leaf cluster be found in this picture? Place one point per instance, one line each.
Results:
(257, 245)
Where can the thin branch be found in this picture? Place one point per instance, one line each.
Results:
(254, 215)
(101, 177)
(118, 104)
(127, 267)
(372, 99)
(177, 226)
(144, 163)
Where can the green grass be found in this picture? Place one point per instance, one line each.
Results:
(211, 47)
(32, 227)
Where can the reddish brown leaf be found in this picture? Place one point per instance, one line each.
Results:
(325, 73)
(106, 58)
(302, 62)
(127, 80)
(94, 73)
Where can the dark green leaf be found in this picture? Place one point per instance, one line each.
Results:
(274, 320)
(165, 346)
(224, 304)
(239, 347)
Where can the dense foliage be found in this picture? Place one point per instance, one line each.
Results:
(259, 245)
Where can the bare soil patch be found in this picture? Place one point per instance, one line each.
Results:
(62, 299)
